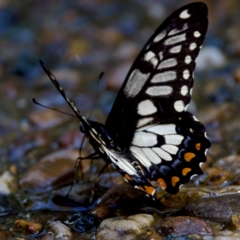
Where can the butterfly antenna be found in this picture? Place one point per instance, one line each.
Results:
(60, 89)
(54, 109)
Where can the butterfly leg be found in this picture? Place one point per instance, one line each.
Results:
(94, 183)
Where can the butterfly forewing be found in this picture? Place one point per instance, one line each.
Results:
(160, 81)
(148, 117)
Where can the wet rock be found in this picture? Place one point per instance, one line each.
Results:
(4, 235)
(182, 198)
(227, 235)
(48, 236)
(230, 164)
(82, 222)
(235, 222)
(122, 198)
(184, 225)
(60, 231)
(74, 198)
(124, 228)
(8, 183)
(53, 169)
(27, 227)
(216, 177)
(217, 209)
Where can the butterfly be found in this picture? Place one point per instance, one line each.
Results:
(148, 135)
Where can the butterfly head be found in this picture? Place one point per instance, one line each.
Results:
(99, 133)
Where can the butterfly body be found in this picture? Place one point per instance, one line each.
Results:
(149, 135)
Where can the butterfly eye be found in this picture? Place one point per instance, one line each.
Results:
(82, 129)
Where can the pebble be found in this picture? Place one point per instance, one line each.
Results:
(50, 170)
(184, 225)
(236, 75)
(27, 227)
(217, 209)
(60, 231)
(8, 183)
(124, 228)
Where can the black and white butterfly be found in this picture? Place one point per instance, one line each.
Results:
(149, 135)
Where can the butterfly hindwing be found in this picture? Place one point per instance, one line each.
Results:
(171, 151)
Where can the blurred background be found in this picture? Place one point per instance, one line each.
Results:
(78, 40)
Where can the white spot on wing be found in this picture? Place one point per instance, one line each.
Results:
(170, 148)
(151, 57)
(174, 139)
(184, 90)
(175, 39)
(152, 156)
(160, 55)
(195, 119)
(146, 107)
(175, 49)
(205, 152)
(179, 106)
(175, 30)
(168, 63)
(184, 14)
(164, 77)
(188, 59)
(186, 74)
(160, 36)
(138, 153)
(159, 90)
(144, 139)
(197, 34)
(192, 46)
(135, 83)
(144, 121)
(163, 129)
(162, 154)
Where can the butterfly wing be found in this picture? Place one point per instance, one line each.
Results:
(149, 116)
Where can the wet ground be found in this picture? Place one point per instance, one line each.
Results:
(38, 146)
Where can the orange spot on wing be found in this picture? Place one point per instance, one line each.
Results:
(149, 189)
(162, 183)
(141, 188)
(185, 171)
(175, 180)
(198, 146)
(189, 156)
(128, 177)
